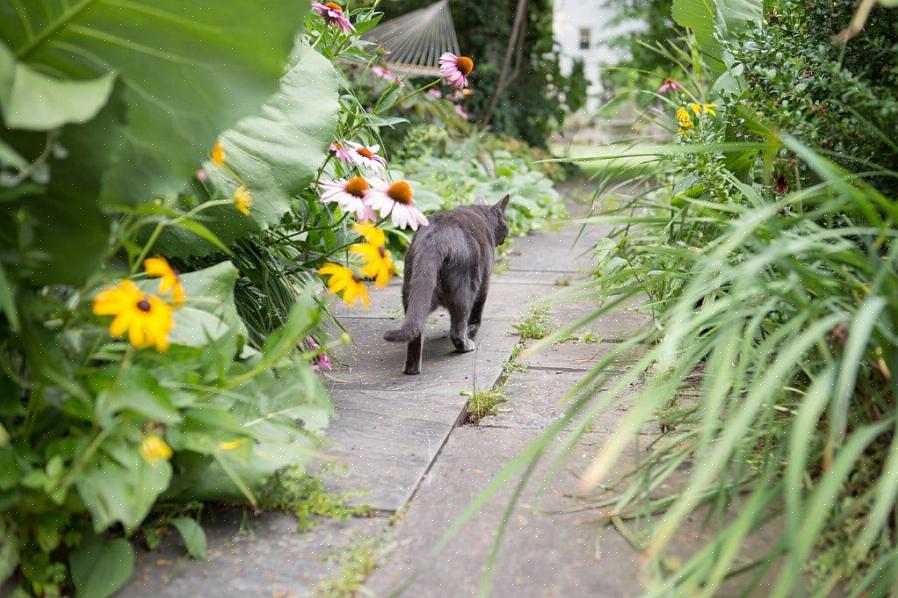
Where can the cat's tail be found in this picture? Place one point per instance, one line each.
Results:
(422, 285)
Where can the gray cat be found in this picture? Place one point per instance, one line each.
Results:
(449, 264)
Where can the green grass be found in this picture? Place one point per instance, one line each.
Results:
(535, 325)
(483, 403)
(357, 562)
(607, 159)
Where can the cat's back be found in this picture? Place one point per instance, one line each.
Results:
(461, 230)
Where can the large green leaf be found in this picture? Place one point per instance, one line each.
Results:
(189, 69)
(276, 154)
(64, 230)
(714, 20)
(32, 100)
(100, 566)
(210, 312)
(120, 486)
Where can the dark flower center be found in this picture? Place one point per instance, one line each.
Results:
(464, 64)
(144, 305)
(400, 192)
(357, 186)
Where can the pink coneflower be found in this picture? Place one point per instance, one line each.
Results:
(386, 74)
(461, 111)
(455, 69)
(396, 201)
(320, 362)
(340, 151)
(349, 195)
(669, 85)
(333, 14)
(366, 156)
(435, 93)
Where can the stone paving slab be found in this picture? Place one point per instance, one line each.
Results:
(580, 357)
(249, 555)
(385, 445)
(564, 250)
(544, 554)
(536, 399)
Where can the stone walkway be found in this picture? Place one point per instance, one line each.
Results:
(406, 443)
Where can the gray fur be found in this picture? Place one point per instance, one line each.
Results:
(449, 265)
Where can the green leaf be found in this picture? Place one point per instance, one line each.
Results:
(8, 300)
(303, 315)
(276, 154)
(10, 157)
(9, 552)
(189, 70)
(210, 311)
(120, 486)
(277, 409)
(34, 101)
(193, 536)
(68, 231)
(101, 567)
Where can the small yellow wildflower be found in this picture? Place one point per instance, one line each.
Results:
(683, 118)
(243, 200)
(370, 233)
(153, 449)
(146, 318)
(378, 264)
(218, 153)
(229, 446)
(703, 108)
(343, 279)
(169, 283)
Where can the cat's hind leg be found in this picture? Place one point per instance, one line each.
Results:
(459, 312)
(414, 355)
(476, 313)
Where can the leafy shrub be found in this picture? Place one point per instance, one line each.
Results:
(838, 100)
(99, 162)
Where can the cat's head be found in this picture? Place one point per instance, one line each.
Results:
(497, 210)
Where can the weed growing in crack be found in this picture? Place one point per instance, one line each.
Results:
(357, 562)
(535, 325)
(304, 496)
(512, 365)
(483, 403)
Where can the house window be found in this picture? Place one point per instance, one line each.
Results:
(584, 38)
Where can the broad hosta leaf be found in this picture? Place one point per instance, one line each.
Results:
(32, 100)
(66, 228)
(100, 567)
(189, 70)
(276, 153)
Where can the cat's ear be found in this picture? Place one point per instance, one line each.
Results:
(502, 204)
(479, 201)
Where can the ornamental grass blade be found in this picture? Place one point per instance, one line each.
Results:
(861, 328)
(739, 425)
